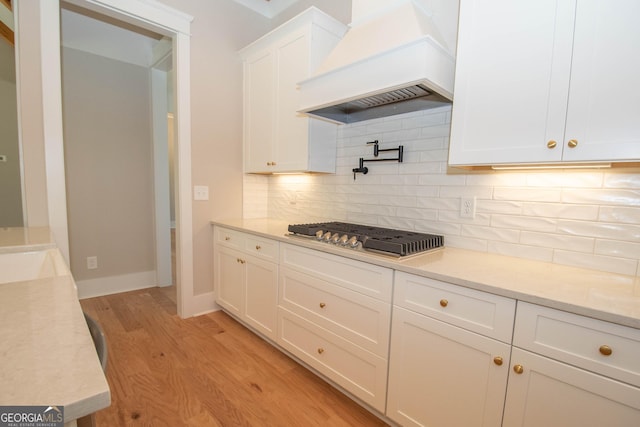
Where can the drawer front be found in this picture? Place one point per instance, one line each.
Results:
(262, 248)
(360, 319)
(368, 279)
(598, 346)
(356, 370)
(480, 312)
(230, 238)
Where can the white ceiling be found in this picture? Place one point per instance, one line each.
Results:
(268, 8)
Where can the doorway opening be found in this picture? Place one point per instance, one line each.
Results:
(116, 101)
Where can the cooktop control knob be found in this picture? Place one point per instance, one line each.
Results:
(353, 242)
(319, 234)
(334, 238)
(326, 236)
(343, 239)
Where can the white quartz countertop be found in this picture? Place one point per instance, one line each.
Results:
(47, 356)
(601, 295)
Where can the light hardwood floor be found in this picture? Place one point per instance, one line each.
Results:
(205, 371)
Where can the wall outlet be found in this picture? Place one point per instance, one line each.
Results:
(92, 262)
(200, 192)
(3, 158)
(468, 207)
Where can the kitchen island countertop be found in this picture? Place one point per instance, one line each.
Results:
(47, 356)
(601, 295)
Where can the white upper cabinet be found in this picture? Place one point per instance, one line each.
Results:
(276, 137)
(546, 81)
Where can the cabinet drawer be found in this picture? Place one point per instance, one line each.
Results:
(230, 238)
(356, 370)
(262, 248)
(358, 276)
(487, 314)
(580, 341)
(361, 319)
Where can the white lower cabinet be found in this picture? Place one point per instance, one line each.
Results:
(552, 393)
(334, 314)
(441, 374)
(246, 279)
(585, 373)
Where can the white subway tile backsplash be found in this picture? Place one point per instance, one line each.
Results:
(603, 230)
(558, 210)
(623, 180)
(521, 251)
(618, 248)
(621, 197)
(580, 218)
(491, 233)
(596, 262)
(619, 214)
(523, 222)
(557, 241)
(527, 194)
(565, 179)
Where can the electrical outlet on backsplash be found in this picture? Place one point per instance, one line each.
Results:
(582, 218)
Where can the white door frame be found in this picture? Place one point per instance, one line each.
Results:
(162, 19)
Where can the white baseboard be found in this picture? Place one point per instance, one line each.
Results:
(203, 304)
(115, 284)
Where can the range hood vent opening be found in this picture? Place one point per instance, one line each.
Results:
(406, 69)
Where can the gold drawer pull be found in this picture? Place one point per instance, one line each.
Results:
(322, 305)
(320, 350)
(551, 144)
(444, 302)
(605, 350)
(241, 261)
(497, 360)
(258, 247)
(573, 143)
(518, 369)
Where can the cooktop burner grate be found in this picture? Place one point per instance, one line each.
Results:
(397, 242)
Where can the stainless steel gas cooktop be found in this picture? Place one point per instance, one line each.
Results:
(379, 239)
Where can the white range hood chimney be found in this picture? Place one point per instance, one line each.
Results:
(392, 60)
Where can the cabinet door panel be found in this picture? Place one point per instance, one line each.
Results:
(550, 393)
(604, 98)
(441, 375)
(512, 71)
(292, 127)
(229, 280)
(262, 296)
(259, 104)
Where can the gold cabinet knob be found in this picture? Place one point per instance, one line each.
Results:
(444, 302)
(551, 144)
(273, 163)
(573, 143)
(518, 369)
(322, 305)
(227, 238)
(497, 360)
(258, 247)
(605, 350)
(320, 350)
(241, 261)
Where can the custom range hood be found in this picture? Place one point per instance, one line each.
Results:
(392, 60)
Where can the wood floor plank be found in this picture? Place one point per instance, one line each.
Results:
(205, 371)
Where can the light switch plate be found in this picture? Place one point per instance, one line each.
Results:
(200, 192)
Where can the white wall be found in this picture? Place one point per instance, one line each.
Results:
(582, 218)
(10, 185)
(109, 165)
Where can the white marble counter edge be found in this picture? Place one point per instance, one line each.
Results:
(401, 265)
(90, 404)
